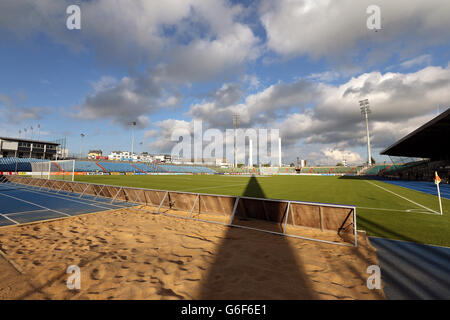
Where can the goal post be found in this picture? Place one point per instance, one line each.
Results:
(54, 170)
(268, 171)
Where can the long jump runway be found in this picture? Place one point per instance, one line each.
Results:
(21, 204)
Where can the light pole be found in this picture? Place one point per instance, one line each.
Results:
(236, 124)
(20, 132)
(133, 124)
(81, 145)
(39, 131)
(365, 110)
(25, 133)
(31, 130)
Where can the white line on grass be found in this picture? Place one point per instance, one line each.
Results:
(223, 186)
(417, 204)
(403, 210)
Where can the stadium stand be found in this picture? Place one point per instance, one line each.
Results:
(328, 170)
(429, 142)
(23, 164)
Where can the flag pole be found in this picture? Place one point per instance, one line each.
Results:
(437, 180)
(439, 196)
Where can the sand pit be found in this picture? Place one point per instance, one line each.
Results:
(131, 254)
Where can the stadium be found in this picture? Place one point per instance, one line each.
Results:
(329, 205)
(224, 151)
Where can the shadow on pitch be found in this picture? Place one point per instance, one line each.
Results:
(254, 265)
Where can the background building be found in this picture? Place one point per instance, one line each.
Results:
(94, 154)
(25, 148)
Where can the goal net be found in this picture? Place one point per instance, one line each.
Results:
(269, 170)
(55, 170)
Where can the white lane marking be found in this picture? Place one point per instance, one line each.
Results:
(62, 197)
(37, 205)
(19, 212)
(9, 219)
(417, 204)
(65, 197)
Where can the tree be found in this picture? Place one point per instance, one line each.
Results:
(373, 160)
(339, 164)
(292, 164)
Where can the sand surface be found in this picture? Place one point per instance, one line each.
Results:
(131, 254)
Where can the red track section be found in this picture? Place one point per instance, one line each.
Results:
(331, 170)
(104, 170)
(310, 170)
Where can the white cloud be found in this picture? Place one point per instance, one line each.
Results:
(335, 29)
(124, 101)
(336, 155)
(318, 114)
(189, 39)
(421, 60)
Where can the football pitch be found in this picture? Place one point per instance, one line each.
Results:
(383, 210)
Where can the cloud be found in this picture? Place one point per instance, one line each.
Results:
(163, 142)
(315, 115)
(424, 59)
(335, 155)
(257, 109)
(13, 111)
(326, 76)
(124, 101)
(189, 40)
(333, 29)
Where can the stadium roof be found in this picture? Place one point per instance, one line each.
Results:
(432, 140)
(28, 140)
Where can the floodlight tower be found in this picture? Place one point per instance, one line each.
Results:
(365, 110)
(133, 124)
(81, 145)
(236, 124)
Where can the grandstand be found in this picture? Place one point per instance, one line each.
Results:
(429, 142)
(17, 164)
(14, 164)
(328, 170)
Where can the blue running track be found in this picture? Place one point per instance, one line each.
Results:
(412, 270)
(23, 204)
(423, 186)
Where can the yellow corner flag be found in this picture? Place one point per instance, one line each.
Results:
(437, 180)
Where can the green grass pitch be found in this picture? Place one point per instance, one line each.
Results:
(379, 212)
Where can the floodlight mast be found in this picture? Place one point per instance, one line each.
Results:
(81, 145)
(133, 124)
(365, 110)
(236, 124)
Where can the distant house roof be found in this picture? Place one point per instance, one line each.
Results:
(429, 141)
(29, 140)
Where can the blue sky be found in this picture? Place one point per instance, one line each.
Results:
(299, 66)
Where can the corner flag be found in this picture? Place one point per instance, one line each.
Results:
(437, 180)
